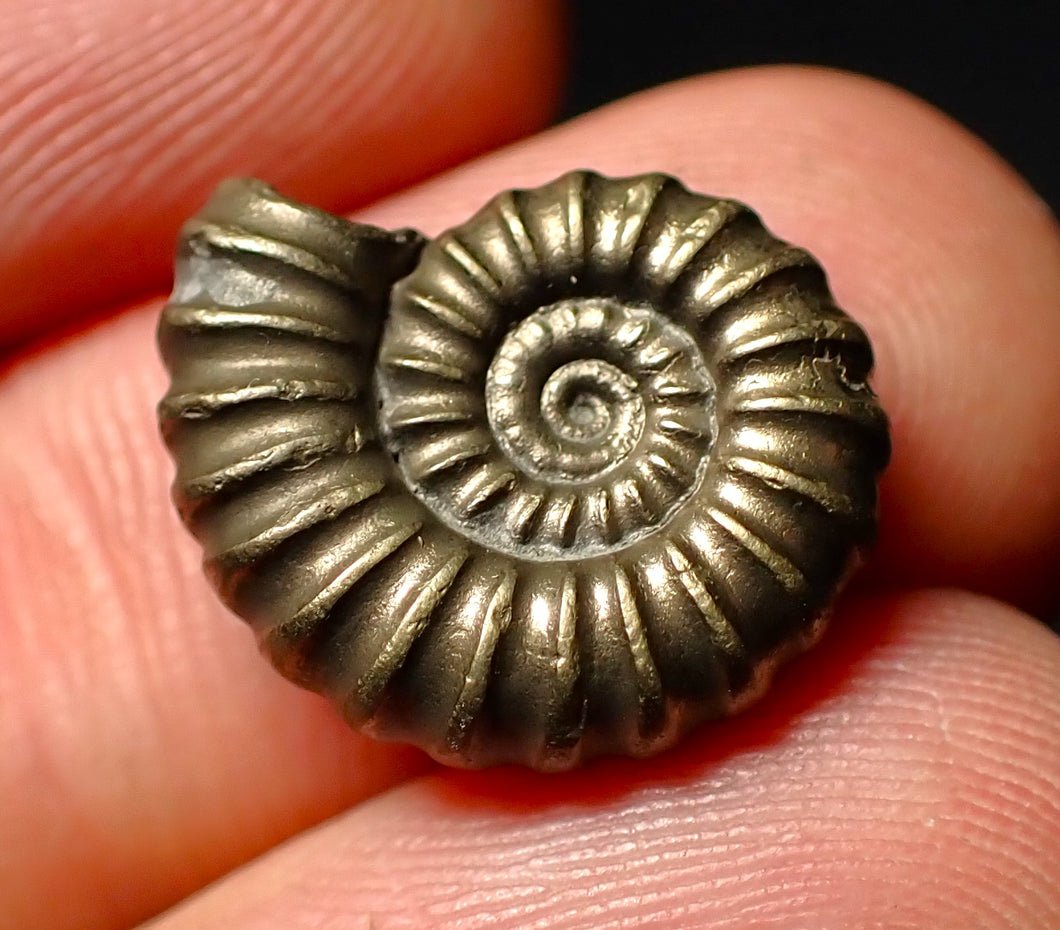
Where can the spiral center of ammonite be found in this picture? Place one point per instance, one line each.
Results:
(588, 428)
(564, 395)
(591, 401)
(592, 413)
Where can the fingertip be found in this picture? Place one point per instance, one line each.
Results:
(946, 257)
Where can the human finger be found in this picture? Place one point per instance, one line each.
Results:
(118, 116)
(931, 242)
(915, 783)
(148, 746)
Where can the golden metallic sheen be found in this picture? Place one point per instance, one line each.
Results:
(566, 480)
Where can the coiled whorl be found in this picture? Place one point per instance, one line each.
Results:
(563, 481)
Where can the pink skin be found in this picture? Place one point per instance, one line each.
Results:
(904, 774)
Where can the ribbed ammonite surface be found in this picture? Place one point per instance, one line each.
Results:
(564, 481)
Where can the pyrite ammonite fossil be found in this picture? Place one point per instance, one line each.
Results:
(563, 481)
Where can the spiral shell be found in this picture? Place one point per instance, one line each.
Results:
(566, 480)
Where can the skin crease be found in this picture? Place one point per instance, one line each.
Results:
(904, 774)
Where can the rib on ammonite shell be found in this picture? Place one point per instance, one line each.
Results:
(564, 481)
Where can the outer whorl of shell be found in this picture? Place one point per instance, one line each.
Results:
(563, 481)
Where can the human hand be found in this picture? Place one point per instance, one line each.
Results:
(906, 773)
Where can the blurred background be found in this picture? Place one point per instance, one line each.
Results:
(993, 66)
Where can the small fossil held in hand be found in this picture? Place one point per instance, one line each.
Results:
(566, 480)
